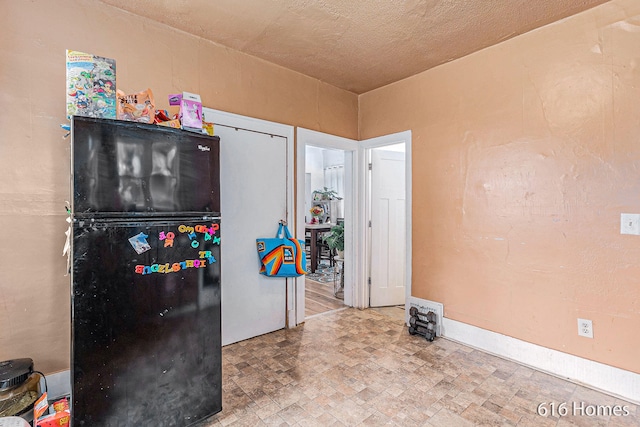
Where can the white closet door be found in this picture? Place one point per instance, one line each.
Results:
(253, 194)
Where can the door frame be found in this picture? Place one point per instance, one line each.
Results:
(363, 207)
(269, 128)
(349, 146)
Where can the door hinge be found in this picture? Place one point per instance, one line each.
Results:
(369, 281)
(369, 223)
(370, 166)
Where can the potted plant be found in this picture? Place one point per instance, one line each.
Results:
(335, 239)
(325, 194)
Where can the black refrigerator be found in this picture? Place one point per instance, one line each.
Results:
(145, 245)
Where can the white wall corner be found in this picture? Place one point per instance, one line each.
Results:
(611, 380)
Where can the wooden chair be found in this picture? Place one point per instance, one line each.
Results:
(324, 252)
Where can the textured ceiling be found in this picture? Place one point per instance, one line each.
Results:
(357, 45)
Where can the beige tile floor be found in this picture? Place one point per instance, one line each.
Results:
(361, 367)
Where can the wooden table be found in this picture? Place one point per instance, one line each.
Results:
(314, 229)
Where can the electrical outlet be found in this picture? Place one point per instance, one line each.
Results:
(585, 328)
(630, 223)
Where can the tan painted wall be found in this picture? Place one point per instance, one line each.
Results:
(524, 156)
(34, 291)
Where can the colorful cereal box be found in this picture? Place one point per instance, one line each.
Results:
(91, 85)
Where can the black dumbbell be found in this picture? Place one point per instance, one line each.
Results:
(430, 316)
(425, 332)
(415, 321)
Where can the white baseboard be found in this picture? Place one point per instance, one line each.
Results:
(58, 384)
(617, 382)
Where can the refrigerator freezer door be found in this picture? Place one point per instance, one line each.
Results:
(127, 169)
(146, 348)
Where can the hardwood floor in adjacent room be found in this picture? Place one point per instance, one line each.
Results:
(319, 298)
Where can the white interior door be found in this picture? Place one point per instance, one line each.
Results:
(253, 198)
(388, 228)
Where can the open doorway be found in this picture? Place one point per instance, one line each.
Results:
(324, 229)
(357, 261)
(329, 161)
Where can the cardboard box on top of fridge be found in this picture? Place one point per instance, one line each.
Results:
(190, 109)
